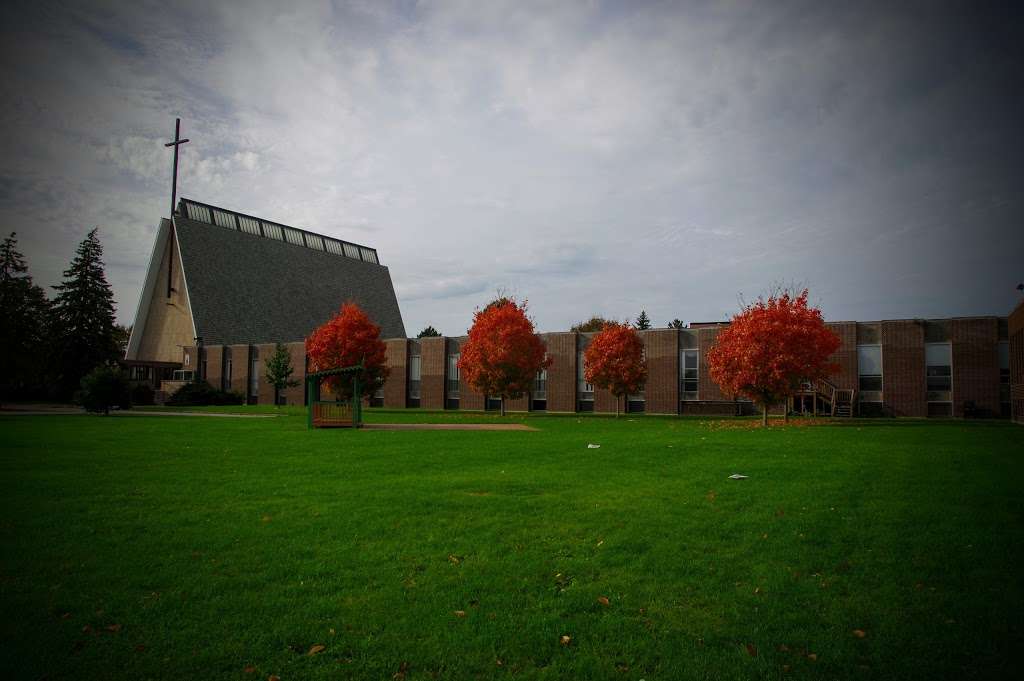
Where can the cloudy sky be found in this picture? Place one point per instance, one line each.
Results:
(593, 157)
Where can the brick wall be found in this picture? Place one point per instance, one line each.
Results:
(846, 355)
(662, 389)
(1015, 326)
(396, 387)
(521, 404)
(708, 390)
(214, 368)
(903, 380)
(562, 372)
(239, 368)
(975, 364)
(433, 358)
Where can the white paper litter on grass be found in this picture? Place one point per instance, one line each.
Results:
(737, 476)
(593, 446)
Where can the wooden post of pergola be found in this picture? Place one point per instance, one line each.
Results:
(334, 413)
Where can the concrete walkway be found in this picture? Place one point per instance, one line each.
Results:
(73, 411)
(447, 426)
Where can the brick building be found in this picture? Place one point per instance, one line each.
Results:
(241, 283)
(936, 367)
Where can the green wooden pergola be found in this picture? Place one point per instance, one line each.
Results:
(334, 413)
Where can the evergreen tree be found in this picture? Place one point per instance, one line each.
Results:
(23, 334)
(642, 322)
(83, 316)
(676, 324)
(280, 370)
(429, 332)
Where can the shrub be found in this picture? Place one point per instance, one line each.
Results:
(102, 388)
(142, 394)
(201, 394)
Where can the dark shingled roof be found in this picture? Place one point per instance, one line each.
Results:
(249, 289)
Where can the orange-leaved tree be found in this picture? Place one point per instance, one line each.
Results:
(347, 339)
(614, 360)
(502, 355)
(770, 348)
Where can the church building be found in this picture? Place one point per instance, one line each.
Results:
(217, 277)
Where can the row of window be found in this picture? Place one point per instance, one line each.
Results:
(938, 374)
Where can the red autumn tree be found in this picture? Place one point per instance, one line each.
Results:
(614, 360)
(502, 355)
(347, 339)
(770, 348)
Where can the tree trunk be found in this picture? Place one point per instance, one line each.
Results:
(764, 415)
(616, 406)
(503, 405)
(785, 410)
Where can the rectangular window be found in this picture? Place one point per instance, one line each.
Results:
(414, 377)
(227, 369)
(586, 390)
(689, 362)
(254, 373)
(540, 385)
(1004, 371)
(869, 369)
(938, 371)
(453, 375)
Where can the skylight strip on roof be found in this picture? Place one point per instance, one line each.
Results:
(272, 230)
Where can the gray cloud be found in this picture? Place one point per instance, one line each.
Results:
(593, 157)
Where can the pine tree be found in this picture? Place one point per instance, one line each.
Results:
(642, 322)
(676, 324)
(280, 370)
(429, 332)
(83, 316)
(23, 337)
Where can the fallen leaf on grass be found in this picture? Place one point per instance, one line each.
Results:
(813, 657)
(565, 639)
(140, 648)
(603, 600)
(859, 633)
(402, 670)
(317, 649)
(273, 678)
(114, 628)
(265, 518)
(66, 616)
(249, 669)
(459, 613)
(751, 650)
(453, 559)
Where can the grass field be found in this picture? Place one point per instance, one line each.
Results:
(149, 547)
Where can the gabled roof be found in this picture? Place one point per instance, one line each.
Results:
(252, 286)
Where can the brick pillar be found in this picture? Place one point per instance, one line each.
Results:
(661, 393)
(397, 385)
(975, 364)
(433, 359)
(903, 377)
(1015, 332)
(239, 369)
(562, 372)
(845, 356)
(214, 365)
(708, 390)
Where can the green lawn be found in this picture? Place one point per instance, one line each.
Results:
(198, 548)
